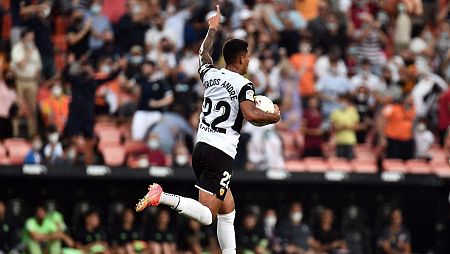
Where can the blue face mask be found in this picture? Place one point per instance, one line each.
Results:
(96, 8)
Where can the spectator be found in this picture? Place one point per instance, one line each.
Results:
(291, 104)
(126, 237)
(250, 239)
(424, 139)
(8, 230)
(42, 234)
(295, 233)
(304, 62)
(395, 238)
(269, 223)
(80, 121)
(317, 25)
(135, 61)
(181, 156)
(55, 108)
(8, 104)
(371, 39)
(345, 123)
(154, 96)
(312, 129)
(366, 78)
(161, 237)
(403, 27)
(426, 93)
(329, 87)
(150, 154)
(364, 104)
(164, 57)
(131, 28)
(34, 156)
(100, 25)
(36, 16)
(328, 240)
(108, 50)
(393, 91)
(397, 129)
(355, 231)
(79, 33)
(53, 150)
(196, 240)
(90, 238)
(444, 115)
(156, 32)
(330, 64)
(26, 65)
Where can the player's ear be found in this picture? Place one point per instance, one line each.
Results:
(241, 59)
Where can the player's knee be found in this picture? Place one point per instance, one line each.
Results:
(206, 219)
(227, 218)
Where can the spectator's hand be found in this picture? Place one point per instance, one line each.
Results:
(153, 104)
(214, 21)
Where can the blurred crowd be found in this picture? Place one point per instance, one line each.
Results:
(118, 229)
(372, 72)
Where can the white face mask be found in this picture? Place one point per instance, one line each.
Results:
(57, 90)
(53, 138)
(401, 8)
(305, 47)
(421, 127)
(37, 145)
(46, 12)
(28, 45)
(106, 69)
(136, 59)
(136, 9)
(71, 154)
(153, 144)
(143, 163)
(96, 8)
(181, 159)
(296, 217)
(270, 221)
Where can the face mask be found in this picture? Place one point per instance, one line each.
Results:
(361, 96)
(153, 144)
(71, 154)
(136, 9)
(333, 71)
(181, 159)
(136, 59)
(401, 8)
(57, 90)
(296, 217)
(332, 26)
(106, 69)
(96, 8)
(305, 47)
(421, 127)
(270, 221)
(143, 163)
(53, 138)
(46, 12)
(29, 45)
(36, 145)
(365, 73)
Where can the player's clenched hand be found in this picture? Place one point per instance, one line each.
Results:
(214, 21)
(277, 112)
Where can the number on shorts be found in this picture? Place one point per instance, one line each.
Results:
(225, 180)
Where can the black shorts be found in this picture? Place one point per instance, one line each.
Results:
(213, 169)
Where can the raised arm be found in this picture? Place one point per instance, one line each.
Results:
(206, 47)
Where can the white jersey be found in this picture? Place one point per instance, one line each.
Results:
(221, 118)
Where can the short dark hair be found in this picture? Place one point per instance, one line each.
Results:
(24, 32)
(233, 48)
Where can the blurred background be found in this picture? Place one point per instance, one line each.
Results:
(98, 99)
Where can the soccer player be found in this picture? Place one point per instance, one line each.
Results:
(228, 99)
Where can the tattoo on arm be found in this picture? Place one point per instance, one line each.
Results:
(206, 47)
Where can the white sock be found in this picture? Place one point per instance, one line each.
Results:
(225, 232)
(188, 207)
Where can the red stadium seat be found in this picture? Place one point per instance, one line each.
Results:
(104, 126)
(133, 145)
(114, 155)
(17, 152)
(364, 166)
(438, 155)
(316, 164)
(339, 164)
(290, 148)
(394, 165)
(418, 167)
(109, 136)
(14, 141)
(364, 153)
(295, 166)
(441, 169)
(2, 151)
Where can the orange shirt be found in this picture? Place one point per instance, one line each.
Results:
(308, 8)
(399, 122)
(306, 63)
(55, 110)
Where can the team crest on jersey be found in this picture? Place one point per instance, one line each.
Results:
(249, 95)
(222, 191)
